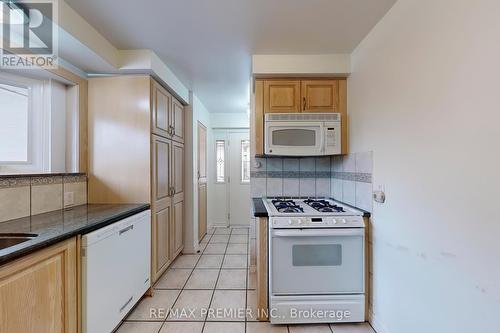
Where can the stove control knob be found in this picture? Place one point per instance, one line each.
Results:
(299, 221)
(344, 221)
(290, 222)
(334, 221)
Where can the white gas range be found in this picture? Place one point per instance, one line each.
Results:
(316, 261)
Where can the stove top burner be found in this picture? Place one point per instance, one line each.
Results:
(287, 206)
(323, 206)
(290, 210)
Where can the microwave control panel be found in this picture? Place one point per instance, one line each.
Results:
(332, 138)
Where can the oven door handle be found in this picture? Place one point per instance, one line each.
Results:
(318, 232)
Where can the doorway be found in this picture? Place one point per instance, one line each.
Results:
(230, 194)
(202, 180)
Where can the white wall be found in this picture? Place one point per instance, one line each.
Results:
(287, 64)
(195, 112)
(229, 120)
(57, 126)
(423, 96)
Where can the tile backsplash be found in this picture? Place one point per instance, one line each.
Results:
(30, 195)
(346, 178)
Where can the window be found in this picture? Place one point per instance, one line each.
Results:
(38, 125)
(220, 147)
(245, 161)
(14, 124)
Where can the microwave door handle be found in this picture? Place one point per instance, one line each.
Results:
(322, 138)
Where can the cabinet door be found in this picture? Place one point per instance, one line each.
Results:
(177, 121)
(178, 168)
(38, 292)
(161, 103)
(320, 95)
(178, 197)
(258, 121)
(281, 96)
(178, 227)
(161, 204)
(161, 155)
(162, 220)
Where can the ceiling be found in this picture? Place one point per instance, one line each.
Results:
(208, 43)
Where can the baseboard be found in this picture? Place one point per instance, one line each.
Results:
(217, 225)
(376, 323)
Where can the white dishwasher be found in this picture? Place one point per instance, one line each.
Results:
(115, 271)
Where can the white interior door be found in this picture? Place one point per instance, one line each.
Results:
(239, 178)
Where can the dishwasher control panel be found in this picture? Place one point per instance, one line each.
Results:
(317, 222)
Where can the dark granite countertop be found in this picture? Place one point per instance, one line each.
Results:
(258, 208)
(27, 175)
(59, 225)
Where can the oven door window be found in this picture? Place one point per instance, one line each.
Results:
(317, 265)
(317, 255)
(294, 137)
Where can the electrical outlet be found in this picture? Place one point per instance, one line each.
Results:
(69, 198)
(379, 194)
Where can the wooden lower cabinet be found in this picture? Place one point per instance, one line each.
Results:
(262, 251)
(168, 203)
(38, 293)
(178, 228)
(161, 256)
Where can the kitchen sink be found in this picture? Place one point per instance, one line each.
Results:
(8, 240)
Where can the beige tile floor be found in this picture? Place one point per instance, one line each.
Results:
(194, 292)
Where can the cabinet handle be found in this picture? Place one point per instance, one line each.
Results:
(126, 303)
(171, 130)
(130, 227)
(303, 104)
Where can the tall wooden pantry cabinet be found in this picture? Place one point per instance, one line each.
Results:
(136, 155)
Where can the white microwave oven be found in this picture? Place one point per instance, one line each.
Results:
(302, 134)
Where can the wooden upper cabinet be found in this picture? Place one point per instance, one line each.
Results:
(177, 121)
(167, 114)
(161, 112)
(320, 95)
(300, 95)
(281, 96)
